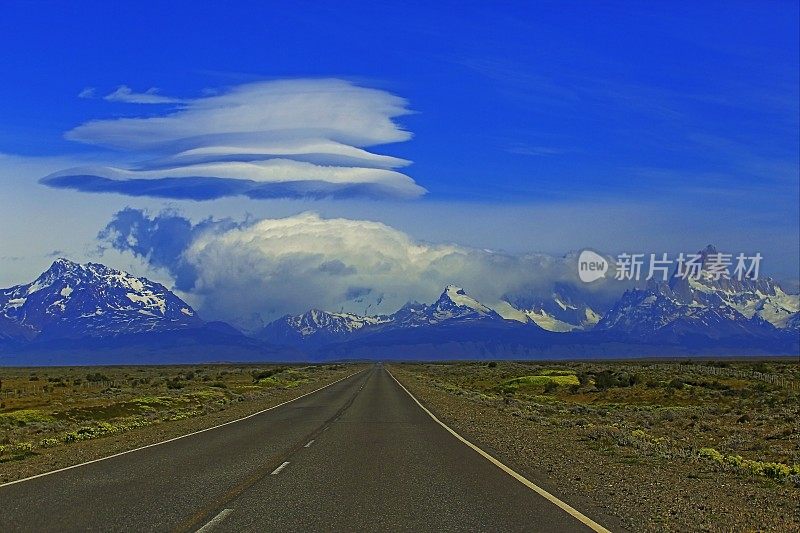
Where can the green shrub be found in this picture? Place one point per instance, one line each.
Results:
(777, 471)
(608, 379)
(539, 381)
(258, 375)
(712, 454)
(675, 384)
(49, 442)
(23, 417)
(175, 383)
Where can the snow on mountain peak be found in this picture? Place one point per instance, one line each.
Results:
(459, 297)
(705, 303)
(759, 298)
(563, 310)
(71, 299)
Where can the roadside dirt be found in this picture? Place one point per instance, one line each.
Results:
(614, 485)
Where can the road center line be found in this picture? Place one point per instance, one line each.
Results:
(278, 470)
(519, 477)
(176, 438)
(309, 443)
(214, 521)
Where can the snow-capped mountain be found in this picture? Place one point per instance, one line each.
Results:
(453, 304)
(317, 327)
(761, 298)
(706, 306)
(70, 300)
(93, 313)
(562, 311)
(657, 310)
(683, 316)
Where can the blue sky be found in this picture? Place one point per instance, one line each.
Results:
(545, 126)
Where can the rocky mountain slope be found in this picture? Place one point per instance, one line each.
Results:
(74, 300)
(705, 305)
(91, 314)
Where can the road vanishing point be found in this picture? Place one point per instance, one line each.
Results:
(361, 454)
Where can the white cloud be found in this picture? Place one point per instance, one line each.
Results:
(87, 92)
(287, 109)
(259, 271)
(285, 138)
(126, 95)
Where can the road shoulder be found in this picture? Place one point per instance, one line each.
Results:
(643, 495)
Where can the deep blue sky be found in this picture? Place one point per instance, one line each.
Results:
(690, 108)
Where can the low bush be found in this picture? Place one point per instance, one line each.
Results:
(777, 471)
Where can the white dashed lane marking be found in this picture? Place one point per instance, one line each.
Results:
(278, 470)
(215, 521)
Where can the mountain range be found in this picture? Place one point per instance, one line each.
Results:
(90, 313)
(704, 306)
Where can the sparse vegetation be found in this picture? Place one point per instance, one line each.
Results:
(74, 405)
(732, 424)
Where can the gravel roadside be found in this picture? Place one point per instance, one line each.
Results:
(616, 487)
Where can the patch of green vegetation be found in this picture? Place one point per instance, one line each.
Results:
(206, 395)
(276, 381)
(155, 401)
(15, 452)
(776, 471)
(22, 417)
(541, 380)
(49, 442)
(260, 375)
(282, 377)
(67, 405)
(269, 382)
(553, 372)
(608, 379)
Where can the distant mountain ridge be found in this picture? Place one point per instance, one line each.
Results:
(91, 313)
(317, 327)
(71, 300)
(706, 305)
(563, 310)
(685, 316)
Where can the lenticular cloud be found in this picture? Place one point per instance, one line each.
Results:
(275, 139)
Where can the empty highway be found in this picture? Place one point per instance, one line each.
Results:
(358, 455)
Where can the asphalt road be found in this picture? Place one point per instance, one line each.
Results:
(359, 455)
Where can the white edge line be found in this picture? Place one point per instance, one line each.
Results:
(179, 437)
(309, 443)
(278, 470)
(216, 520)
(508, 470)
